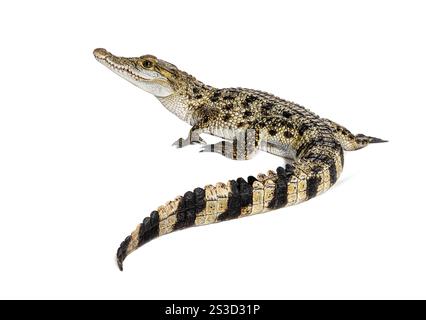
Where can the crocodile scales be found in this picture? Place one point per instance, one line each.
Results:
(247, 121)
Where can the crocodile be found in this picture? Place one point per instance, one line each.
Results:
(247, 121)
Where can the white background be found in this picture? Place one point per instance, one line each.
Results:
(84, 155)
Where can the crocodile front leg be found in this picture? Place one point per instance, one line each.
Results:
(192, 138)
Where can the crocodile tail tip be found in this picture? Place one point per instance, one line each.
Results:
(122, 252)
(376, 140)
(120, 264)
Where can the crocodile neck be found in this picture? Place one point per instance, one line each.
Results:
(179, 106)
(189, 100)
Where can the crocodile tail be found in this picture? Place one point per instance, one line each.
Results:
(348, 140)
(315, 172)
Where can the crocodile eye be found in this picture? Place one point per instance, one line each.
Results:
(147, 64)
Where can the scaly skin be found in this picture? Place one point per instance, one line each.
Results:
(248, 121)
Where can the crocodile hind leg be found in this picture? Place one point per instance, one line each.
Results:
(243, 147)
(348, 140)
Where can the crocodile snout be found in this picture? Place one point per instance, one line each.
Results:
(101, 53)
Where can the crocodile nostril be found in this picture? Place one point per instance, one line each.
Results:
(101, 53)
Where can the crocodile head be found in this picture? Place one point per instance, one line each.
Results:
(153, 75)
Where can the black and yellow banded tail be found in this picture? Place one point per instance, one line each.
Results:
(315, 172)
